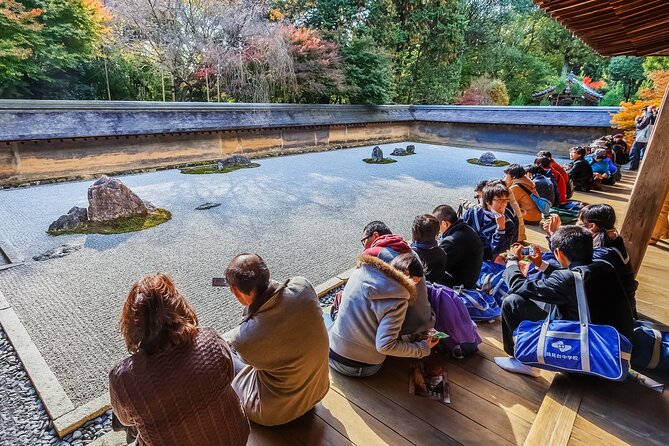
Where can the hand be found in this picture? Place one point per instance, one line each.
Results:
(515, 250)
(551, 224)
(536, 259)
(500, 219)
(432, 341)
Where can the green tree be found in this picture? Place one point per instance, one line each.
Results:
(19, 34)
(368, 71)
(628, 70)
(655, 63)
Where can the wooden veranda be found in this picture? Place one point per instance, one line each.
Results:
(489, 405)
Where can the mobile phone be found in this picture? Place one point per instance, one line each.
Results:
(219, 281)
(527, 252)
(438, 334)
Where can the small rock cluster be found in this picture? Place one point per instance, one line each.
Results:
(410, 150)
(233, 160)
(59, 251)
(205, 206)
(108, 199)
(23, 419)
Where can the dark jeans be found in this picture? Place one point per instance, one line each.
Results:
(636, 154)
(516, 309)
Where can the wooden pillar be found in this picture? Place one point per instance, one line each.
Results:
(650, 189)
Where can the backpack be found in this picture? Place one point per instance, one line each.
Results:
(482, 307)
(541, 203)
(452, 317)
(491, 281)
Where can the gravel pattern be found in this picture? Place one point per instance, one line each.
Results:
(23, 419)
(328, 298)
(303, 214)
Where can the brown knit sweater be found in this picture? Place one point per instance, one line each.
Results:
(181, 396)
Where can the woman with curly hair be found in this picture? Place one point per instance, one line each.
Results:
(174, 388)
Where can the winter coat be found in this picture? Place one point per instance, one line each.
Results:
(464, 255)
(494, 241)
(433, 259)
(615, 254)
(544, 187)
(371, 313)
(581, 175)
(605, 166)
(285, 344)
(530, 211)
(562, 179)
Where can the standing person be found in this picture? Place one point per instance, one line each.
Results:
(580, 171)
(424, 233)
(281, 345)
(177, 377)
(373, 307)
(522, 187)
(495, 229)
(560, 175)
(572, 247)
(463, 248)
(379, 241)
(643, 124)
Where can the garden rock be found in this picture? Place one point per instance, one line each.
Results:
(109, 199)
(205, 206)
(59, 251)
(411, 149)
(399, 152)
(234, 160)
(488, 158)
(74, 219)
(377, 154)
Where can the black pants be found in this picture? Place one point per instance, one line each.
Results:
(516, 309)
(636, 154)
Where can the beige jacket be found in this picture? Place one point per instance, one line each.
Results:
(285, 344)
(531, 212)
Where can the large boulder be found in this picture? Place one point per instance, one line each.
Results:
(234, 160)
(109, 199)
(377, 154)
(411, 149)
(74, 219)
(488, 158)
(399, 152)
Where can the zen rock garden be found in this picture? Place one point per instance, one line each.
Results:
(112, 209)
(229, 164)
(487, 159)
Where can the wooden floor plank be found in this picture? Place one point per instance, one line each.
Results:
(307, 430)
(586, 433)
(406, 423)
(393, 382)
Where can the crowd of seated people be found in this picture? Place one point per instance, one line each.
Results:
(274, 367)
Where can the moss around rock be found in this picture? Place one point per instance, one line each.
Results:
(213, 168)
(383, 161)
(121, 225)
(496, 163)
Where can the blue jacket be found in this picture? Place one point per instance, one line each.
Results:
(494, 241)
(603, 166)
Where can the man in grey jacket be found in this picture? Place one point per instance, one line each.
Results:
(282, 343)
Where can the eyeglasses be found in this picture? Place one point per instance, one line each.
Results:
(503, 200)
(364, 240)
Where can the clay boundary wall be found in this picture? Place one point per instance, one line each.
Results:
(53, 140)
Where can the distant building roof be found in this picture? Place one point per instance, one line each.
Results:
(572, 79)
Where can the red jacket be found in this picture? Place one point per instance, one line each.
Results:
(562, 178)
(387, 247)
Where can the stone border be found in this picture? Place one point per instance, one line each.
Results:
(8, 251)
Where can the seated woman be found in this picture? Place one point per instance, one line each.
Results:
(496, 228)
(373, 307)
(603, 168)
(174, 388)
(522, 187)
(608, 245)
(580, 171)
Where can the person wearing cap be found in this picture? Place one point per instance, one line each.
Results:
(281, 346)
(603, 168)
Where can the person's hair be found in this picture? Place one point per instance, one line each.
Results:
(580, 151)
(604, 217)
(492, 191)
(376, 226)
(425, 229)
(409, 264)
(515, 171)
(543, 161)
(545, 153)
(575, 242)
(445, 212)
(156, 316)
(481, 185)
(248, 273)
(534, 169)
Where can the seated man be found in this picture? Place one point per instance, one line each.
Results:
(492, 224)
(603, 169)
(379, 241)
(512, 210)
(373, 307)
(580, 171)
(424, 233)
(572, 246)
(282, 342)
(522, 187)
(462, 246)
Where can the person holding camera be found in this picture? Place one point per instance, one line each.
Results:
(281, 346)
(532, 299)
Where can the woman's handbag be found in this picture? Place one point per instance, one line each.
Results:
(651, 346)
(574, 346)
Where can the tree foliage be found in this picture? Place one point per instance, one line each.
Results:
(368, 71)
(628, 70)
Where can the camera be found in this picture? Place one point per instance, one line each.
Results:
(527, 252)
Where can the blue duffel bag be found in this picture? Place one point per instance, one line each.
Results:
(574, 346)
(481, 306)
(651, 346)
(491, 281)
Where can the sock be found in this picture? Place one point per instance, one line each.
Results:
(515, 366)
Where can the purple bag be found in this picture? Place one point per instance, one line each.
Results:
(453, 319)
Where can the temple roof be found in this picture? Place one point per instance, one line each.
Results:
(572, 79)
